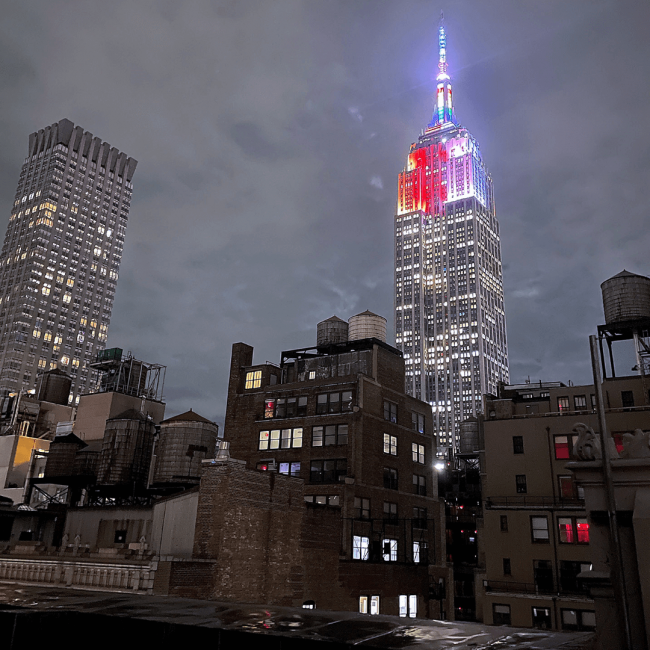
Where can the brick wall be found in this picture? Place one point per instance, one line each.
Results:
(249, 522)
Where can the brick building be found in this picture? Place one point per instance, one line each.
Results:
(337, 417)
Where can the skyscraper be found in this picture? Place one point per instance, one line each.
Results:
(449, 316)
(61, 256)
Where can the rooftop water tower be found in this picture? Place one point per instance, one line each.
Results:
(626, 302)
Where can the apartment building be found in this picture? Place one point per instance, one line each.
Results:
(536, 530)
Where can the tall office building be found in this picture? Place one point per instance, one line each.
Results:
(449, 316)
(61, 256)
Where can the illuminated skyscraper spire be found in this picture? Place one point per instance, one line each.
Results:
(449, 316)
(443, 111)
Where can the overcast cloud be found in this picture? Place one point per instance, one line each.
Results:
(269, 137)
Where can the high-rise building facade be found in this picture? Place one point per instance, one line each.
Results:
(449, 315)
(61, 256)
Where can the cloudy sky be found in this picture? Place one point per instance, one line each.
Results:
(269, 137)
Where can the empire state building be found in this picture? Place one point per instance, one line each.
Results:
(449, 315)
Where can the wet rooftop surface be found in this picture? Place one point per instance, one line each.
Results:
(302, 625)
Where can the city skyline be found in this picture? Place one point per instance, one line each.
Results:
(61, 257)
(450, 321)
(269, 139)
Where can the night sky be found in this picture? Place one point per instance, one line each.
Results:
(269, 137)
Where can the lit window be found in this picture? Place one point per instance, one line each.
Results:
(290, 469)
(562, 404)
(563, 447)
(280, 439)
(417, 452)
(573, 530)
(390, 444)
(389, 550)
(360, 547)
(253, 379)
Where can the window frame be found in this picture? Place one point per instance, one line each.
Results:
(276, 439)
(419, 483)
(521, 484)
(390, 444)
(534, 537)
(338, 472)
(392, 546)
(390, 411)
(418, 453)
(517, 444)
(254, 378)
(417, 420)
(339, 437)
(362, 507)
(391, 478)
(360, 552)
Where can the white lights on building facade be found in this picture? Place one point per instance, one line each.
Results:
(449, 312)
(61, 256)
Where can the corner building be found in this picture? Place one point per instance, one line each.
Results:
(61, 256)
(337, 417)
(449, 314)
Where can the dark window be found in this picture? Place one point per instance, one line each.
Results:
(542, 618)
(539, 530)
(390, 512)
(569, 575)
(390, 478)
(390, 411)
(328, 471)
(566, 487)
(302, 407)
(332, 434)
(334, 402)
(420, 485)
(6, 523)
(504, 523)
(627, 397)
(506, 566)
(578, 619)
(518, 444)
(562, 404)
(543, 575)
(419, 517)
(361, 508)
(324, 499)
(500, 614)
(417, 419)
(520, 480)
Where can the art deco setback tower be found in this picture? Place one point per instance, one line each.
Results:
(449, 317)
(61, 256)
